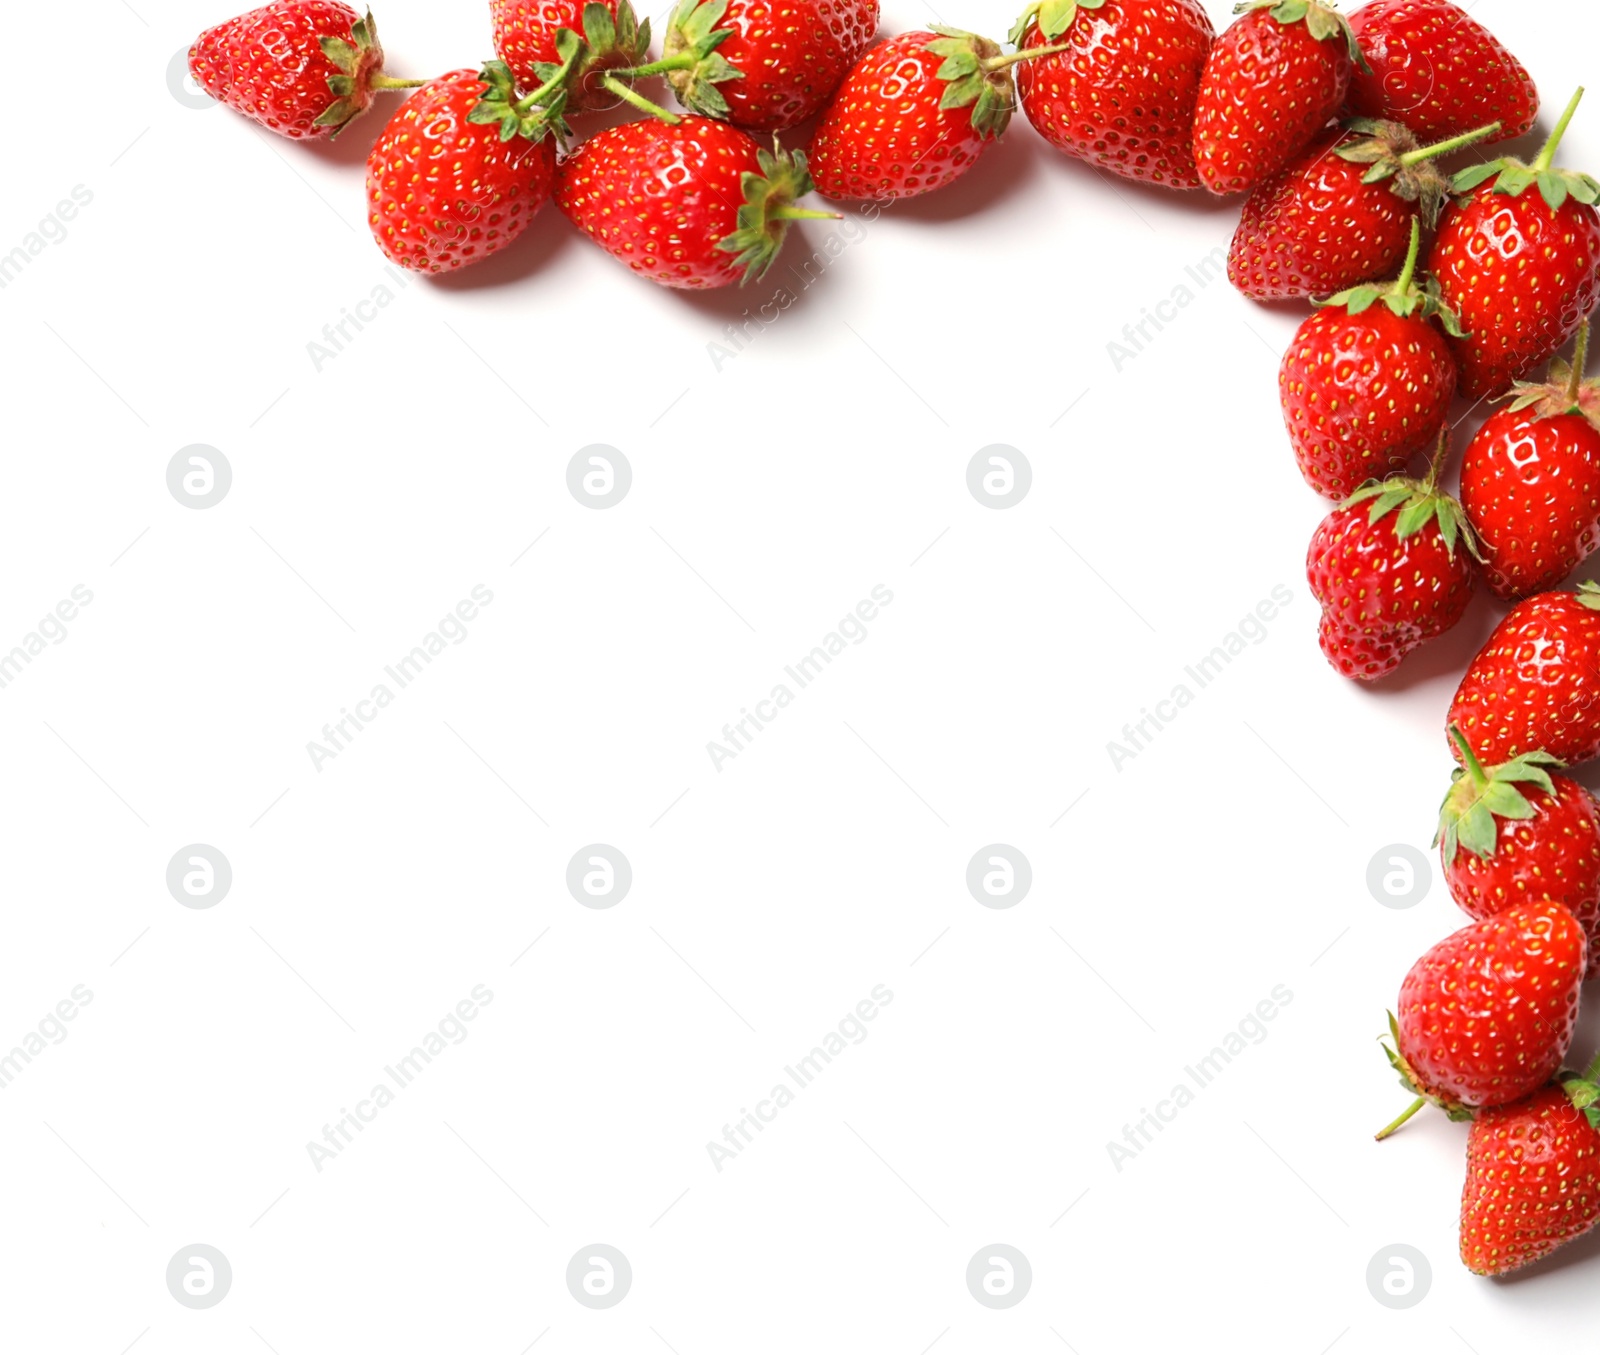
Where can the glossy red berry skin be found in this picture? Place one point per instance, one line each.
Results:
(884, 135)
(1382, 597)
(660, 197)
(1267, 90)
(268, 64)
(1315, 229)
(1535, 686)
(1520, 276)
(1122, 97)
(1363, 394)
(793, 55)
(1553, 855)
(1438, 70)
(443, 192)
(1531, 487)
(1533, 1182)
(1486, 1016)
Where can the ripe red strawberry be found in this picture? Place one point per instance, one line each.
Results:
(1438, 70)
(1530, 482)
(690, 204)
(1521, 268)
(1339, 213)
(1533, 1177)
(1271, 82)
(1367, 386)
(914, 114)
(1122, 94)
(1486, 1017)
(610, 37)
(1517, 833)
(1535, 686)
(301, 68)
(1387, 573)
(761, 67)
(461, 169)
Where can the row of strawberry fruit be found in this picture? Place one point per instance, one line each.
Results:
(1494, 270)
(1144, 89)
(1336, 130)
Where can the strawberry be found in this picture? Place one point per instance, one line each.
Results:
(693, 204)
(1339, 213)
(1365, 387)
(744, 61)
(1535, 686)
(1122, 94)
(1486, 1017)
(1385, 568)
(610, 37)
(1530, 481)
(301, 68)
(1515, 833)
(914, 114)
(1438, 70)
(1533, 1177)
(1271, 83)
(461, 169)
(1521, 268)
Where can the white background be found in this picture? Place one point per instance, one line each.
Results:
(769, 897)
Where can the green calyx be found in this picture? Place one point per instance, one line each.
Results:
(1583, 1090)
(1403, 296)
(360, 65)
(1514, 177)
(1563, 391)
(1392, 152)
(609, 46)
(977, 75)
(1478, 798)
(690, 60)
(1418, 503)
(1054, 17)
(534, 116)
(1408, 1080)
(768, 208)
(1589, 595)
(1323, 22)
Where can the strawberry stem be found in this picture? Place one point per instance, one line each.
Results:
(1547, 157)
(1410, 269)
(1580, 360)
(999, 63)
(1436, 466)
(1455, 143)
(553, 85)
(679, 61)
(1395, 1124)
(802, 214)
(381, 81)
(1469, 759)
(632, 96)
